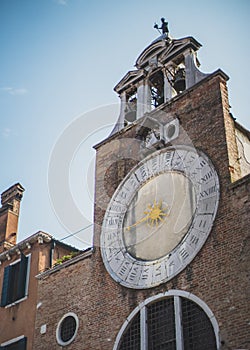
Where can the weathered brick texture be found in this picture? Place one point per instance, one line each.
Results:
(219, 274)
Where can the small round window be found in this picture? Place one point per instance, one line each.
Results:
(67, 329)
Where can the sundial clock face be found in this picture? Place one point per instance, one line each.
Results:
(159, 217)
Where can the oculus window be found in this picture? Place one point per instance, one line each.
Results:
(15, 281)
(67, 329)
(170, 321)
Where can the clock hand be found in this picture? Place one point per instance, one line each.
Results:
(138, 222)
(154, 214)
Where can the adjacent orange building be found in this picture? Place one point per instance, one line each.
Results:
(20, 263)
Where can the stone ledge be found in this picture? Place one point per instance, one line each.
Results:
(85, 254)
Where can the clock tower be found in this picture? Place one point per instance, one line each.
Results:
(167, 227)
(170, 264)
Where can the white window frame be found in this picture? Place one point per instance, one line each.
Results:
(177, 294)
(14, 340)
(58, 329)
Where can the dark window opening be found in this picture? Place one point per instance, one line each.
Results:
(14, 281)
(161, 334)
(19, 345)
(131, 106)
(170, 322)
(68, 328)
(157, 89)
(196, 327)
(131, 338)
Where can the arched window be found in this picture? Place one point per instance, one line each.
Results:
(175, 320)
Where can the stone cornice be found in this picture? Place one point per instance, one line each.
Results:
(85, 254)
(40, 237)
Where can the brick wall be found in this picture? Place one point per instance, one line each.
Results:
(18, 318)
(217, 275)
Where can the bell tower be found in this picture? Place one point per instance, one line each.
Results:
(164, 69)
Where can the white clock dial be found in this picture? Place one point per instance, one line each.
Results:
(159, 217)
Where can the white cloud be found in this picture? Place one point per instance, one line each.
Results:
(13, 91)
(6, 133)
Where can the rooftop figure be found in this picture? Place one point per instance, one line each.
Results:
(164, 26)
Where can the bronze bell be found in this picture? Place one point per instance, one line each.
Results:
(179, 80)
(130, 110)
(130, 116)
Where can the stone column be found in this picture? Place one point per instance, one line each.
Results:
(193, 74)
(168, 90)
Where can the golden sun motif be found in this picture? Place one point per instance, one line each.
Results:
(153, 215)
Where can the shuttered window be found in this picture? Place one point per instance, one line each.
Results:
(18, 345)
(15, 281)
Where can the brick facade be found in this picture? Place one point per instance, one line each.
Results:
(218, 274)
(18, 317)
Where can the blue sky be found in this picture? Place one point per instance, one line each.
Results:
(61, 58)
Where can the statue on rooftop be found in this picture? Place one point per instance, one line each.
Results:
(164, 26)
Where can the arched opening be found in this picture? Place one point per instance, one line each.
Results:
(156, 81)
(131, 106)
(170, 321)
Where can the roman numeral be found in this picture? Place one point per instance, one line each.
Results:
(145, 274)
(194, 240)
(113, 221)
(202, 163)
(111, 253)
(124, 268)
(134, 274)
(116, 208)
(144, 173)
(158, 271)
(184, 253)
(208, 191)
(167, 157)
(206, 177)
(202, 223)
(123, 194)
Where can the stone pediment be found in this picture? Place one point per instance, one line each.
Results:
(165, 50)
(153, 50)
(160, 51)
(129, 79)
(164, 69)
